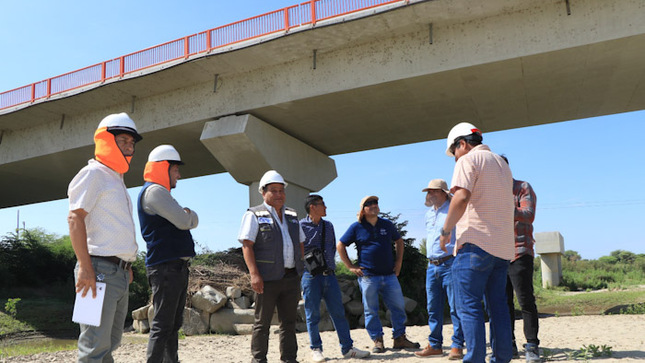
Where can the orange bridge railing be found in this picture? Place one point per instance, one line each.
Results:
(281, 20)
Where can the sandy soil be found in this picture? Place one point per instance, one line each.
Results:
(625, 334)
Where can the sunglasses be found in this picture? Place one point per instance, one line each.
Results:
(370, 202)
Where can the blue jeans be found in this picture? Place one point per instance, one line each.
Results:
(438, 288)
(96, 344)
(478, 275)
(315, 288)
(388, 287)
(168, 282)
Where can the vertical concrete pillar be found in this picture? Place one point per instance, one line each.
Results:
(550, 246)
(247, 147)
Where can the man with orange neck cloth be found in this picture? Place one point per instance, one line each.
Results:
(165, 227)
(102, 232)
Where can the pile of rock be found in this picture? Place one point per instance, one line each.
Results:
(212, 311)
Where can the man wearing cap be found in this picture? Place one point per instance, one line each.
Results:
(520, 271)
(377, 271)
(482, 210)
(323, 285)
(102, 233)
(439, 275)
(272, 244)
(165, 227)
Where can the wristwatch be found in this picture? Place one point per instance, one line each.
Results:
(444, 233)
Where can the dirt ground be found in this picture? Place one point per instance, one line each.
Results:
(625, 334)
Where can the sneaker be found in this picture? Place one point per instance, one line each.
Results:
(356, 353)
(456, 354)
(532, 353)
(316, 355)
(402, 342)
(429, 351)
(378, 345)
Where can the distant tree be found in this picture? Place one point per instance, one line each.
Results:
(423, 248)
(623, 256)
(572, 256)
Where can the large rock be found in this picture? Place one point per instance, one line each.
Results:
(208, 299)
(242, 302)
(223, 321)
(233, 292)
(151, 313)
(354, 307)
(141, 313)
(410, 304)
(193, 323)
(243, 329)
(325, 323)
(141, 326)
(345, 297)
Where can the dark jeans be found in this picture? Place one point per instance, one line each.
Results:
(283, 294)
(168, 281)
(520, 279)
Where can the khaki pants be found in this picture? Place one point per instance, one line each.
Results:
(283, 294)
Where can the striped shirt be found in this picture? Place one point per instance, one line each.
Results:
(525, 201)
(488, 219)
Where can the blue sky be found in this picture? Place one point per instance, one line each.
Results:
(584, 171)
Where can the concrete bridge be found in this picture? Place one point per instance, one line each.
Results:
(389, 75)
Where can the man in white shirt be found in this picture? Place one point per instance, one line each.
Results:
(102, 232)
(272, 244)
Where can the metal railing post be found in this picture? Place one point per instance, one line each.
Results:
(313, 12)
(286, 19)
(121, 66)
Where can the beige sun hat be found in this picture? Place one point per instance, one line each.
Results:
(363, 201)
(437, 184)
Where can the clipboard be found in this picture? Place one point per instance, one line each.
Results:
(87, 310)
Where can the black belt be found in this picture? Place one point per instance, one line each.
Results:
(328, 272)
(441, 260)
(115, 260)
(290, 270)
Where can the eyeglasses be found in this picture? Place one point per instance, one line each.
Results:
(370, 202)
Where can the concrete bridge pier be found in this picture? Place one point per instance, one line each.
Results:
(247, 147)
(550, 246)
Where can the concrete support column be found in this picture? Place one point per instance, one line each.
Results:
(550, 246)
(247, 147)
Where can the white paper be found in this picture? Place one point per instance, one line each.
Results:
(87, 310)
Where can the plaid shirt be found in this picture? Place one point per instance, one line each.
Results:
(525, 202)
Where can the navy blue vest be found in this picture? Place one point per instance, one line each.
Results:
(165, 242)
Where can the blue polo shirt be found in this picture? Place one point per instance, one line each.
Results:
(374, 245)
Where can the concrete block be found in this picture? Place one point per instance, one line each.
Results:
(549, 242)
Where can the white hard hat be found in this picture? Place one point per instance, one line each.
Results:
(165, 152)
(270, 177)
(459, 130)
(120, 122)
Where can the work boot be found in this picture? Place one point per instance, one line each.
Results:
(402, 342)
(378, 345)
(456, 354)
(429, 351)
(532, 353)
(516, 354)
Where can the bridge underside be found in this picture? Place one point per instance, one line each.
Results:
(597, 78)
